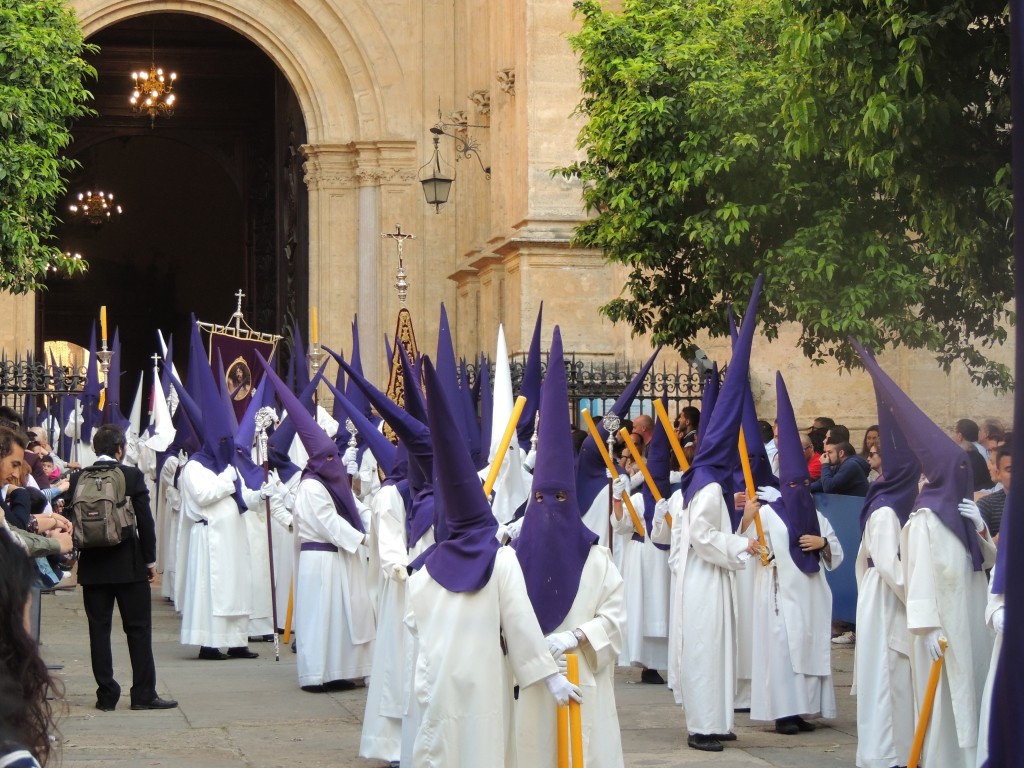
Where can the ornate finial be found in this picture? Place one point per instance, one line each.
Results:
(352, 432)
(611, 423)
(156, 359)
(401, 284)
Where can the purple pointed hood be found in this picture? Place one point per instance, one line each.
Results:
(252, 474)
(299, 359)
(448, 374)
(717, 444)
(590, 467)
(324, 464)
(709, 397)
(187, 421)
(554, 544)
(112, 413)
(387, 352)
(464, 561)
(897, 485)
(225, 394)
(197, 360)
(530, 386)
(486, 407)
(796, 507)
(280, 443)
(381, 448)
(469, 417)
(943, 462)
(659, 465)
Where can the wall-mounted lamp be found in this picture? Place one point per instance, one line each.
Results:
(436, 175)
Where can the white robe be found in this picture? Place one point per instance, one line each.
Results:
(743, 581)
(168, 503)
(595, 517)
(385, 697)
(282, 501)
(461, 680)
(944, 591)
(702, 635)
(646, 576)
(599, 611)
(995, 603)
(882, 679)
(261, 620)
(792, 629)
(217, 597)
(334, 620)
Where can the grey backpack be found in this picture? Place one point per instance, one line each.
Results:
(102, 515)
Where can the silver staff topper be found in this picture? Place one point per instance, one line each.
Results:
(265, 418)
(352, 432)
(536, 432)
(611, 422)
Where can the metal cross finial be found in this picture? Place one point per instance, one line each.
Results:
(401, 284)
(156, 359)
(237, 317)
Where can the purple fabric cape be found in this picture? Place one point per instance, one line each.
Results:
(796, 507)
(464, 561)
(554, 543)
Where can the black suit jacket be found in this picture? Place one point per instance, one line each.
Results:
(124, 562)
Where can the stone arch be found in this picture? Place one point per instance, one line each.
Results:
(339, 62)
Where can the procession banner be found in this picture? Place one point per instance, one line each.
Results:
(242, 373)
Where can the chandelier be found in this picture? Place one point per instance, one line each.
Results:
(153, 92)
(94, 208)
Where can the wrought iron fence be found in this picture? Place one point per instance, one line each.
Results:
(35, 390)
(596, 385)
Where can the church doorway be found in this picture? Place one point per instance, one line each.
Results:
(212, 196)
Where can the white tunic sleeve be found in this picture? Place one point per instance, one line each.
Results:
(322, 518)
(882, 538)
(604, 631)
(391, 546)
(833, 543)
(710, 543)
(527, 650)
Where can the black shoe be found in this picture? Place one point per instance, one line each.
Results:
(104, 707)
(730, 736)
(340, 685)
(314, 688)
(787, 726)
(704, 743)
(156, 703)
(242, 653)
(651, 676)
(802, 724)
(261, 638)
(742, 710)
(211, 654)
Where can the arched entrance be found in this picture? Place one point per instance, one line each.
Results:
(356, 161)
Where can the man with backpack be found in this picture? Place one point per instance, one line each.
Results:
(114, 529)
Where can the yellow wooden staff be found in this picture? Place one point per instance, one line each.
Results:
(572, 672)
(624, 434)
(748, 478)
(506, 438)
(673, 439)
(627, 502)
(926, 707)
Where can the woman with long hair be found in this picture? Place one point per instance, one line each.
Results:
(26, 714)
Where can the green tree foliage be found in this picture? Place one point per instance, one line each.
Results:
(41, 91)
(857, 154)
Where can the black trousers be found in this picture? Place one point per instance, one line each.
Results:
(133, 603)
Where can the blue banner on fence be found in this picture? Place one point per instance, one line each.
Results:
(844, 514)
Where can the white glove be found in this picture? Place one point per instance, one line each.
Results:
(675, 477)
(351, 455)
(560, 642)
(998, 619)
(513, 529)
(267, 489)
(969, 510)
(619, 486)
(399, 572)
(660, 510)
(767, 494)
(228, 474)
(351, 467)
(281, 516)
(562, 689)
(636, 480)
(531, 460)
(932, 643)
(608, 473)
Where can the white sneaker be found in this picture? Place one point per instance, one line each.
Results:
(847, 638)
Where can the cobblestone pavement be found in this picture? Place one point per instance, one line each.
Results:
(252, 713)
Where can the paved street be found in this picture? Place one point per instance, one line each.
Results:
(252, 713)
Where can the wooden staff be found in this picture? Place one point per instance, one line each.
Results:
(748, 478)
(506, 438)
(287, 636)
(572, 663)
(926, 707)
(673, 438)
(624, 433)
(627, 502)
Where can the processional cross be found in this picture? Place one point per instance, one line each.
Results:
(401, 284)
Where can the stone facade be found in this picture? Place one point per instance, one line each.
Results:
(370, 78)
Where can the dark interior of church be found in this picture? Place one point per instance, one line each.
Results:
(212, 196)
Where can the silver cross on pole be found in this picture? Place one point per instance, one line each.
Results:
(401, 284)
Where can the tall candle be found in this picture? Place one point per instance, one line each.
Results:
(103, 322)
(575, 716)
(315, 338)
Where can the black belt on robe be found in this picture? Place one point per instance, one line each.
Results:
(317, 546)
